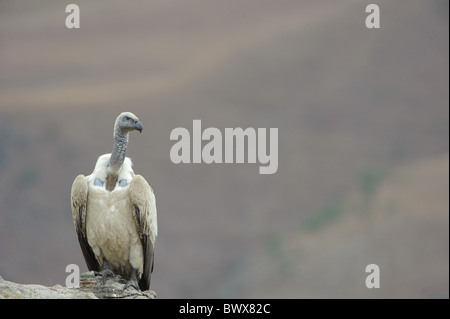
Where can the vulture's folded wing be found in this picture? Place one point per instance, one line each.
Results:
(79, 196)
(144, 209)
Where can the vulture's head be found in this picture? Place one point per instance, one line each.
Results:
(127, 122)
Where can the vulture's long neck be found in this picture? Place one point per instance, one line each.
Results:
(117, 158)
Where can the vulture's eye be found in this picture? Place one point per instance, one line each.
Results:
(127, 118)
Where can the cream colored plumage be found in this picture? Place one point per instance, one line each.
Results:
(116, 222)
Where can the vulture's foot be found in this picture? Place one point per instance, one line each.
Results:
(105, 273)
(132, 282)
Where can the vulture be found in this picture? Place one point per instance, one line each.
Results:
(114, 213)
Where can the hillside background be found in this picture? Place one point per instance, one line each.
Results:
(363, 118)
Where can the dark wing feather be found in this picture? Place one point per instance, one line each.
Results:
(143, 201)
(147, 245)
(79, 196)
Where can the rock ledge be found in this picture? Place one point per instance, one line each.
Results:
(90, 288)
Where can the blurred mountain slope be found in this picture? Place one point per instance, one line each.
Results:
(350, 103)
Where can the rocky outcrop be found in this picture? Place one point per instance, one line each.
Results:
(91, 287)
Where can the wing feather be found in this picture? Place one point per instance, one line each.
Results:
(79, 197)
(143, 201)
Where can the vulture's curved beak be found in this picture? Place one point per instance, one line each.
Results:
(138, 126)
